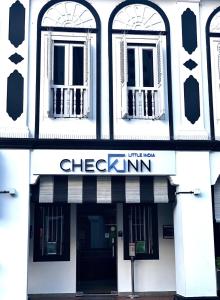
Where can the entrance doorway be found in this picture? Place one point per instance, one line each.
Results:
(96, 248)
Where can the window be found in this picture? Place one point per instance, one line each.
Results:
(213, 64)
(142, 79)
(69, 77)
(52, 232)
(140, 228)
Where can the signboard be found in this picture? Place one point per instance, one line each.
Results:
(102, 162)
(168, 232)
(132, 249)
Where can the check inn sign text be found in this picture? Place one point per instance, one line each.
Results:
(103, 162)
(115, 163)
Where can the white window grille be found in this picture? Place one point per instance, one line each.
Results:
(51, 237)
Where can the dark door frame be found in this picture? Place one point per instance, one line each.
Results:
(95, 209)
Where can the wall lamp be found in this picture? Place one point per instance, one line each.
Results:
(11, 192)
(195, 192)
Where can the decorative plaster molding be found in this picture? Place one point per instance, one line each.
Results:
(68, 14)
(215, 23)
(138, 17)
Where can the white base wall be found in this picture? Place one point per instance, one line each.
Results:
(150, 275)
(14, 224)
(193, 226)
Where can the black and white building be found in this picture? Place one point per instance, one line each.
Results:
(109, 147)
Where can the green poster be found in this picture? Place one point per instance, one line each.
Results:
(140, 247)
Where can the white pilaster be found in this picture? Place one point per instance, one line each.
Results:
(8, 127)
(193, 227)
(184, 129)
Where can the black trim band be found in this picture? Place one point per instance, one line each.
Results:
(178, 145)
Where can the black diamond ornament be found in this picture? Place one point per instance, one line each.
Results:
(16, 58)
(190, 64)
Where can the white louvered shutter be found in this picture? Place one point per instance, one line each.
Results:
(161, 189)
(132, 189)
(218, 51)
(218, 80)
(46, 189)
(49, 67)
(159, 95)
(124, 78)
(104, 189)
(87, 77)
(217, 200)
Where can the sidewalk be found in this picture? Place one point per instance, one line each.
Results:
(100, 297)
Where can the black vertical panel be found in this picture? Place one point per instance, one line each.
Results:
(89, 189)
(189, 31)
(118, 188)
(146, 189)
(78, 58)
(191, 99)
(16, 24)
(131, 109)
(59, 66)
(15, 91)
(35, 192)
(171, 192)
(131, 67)
(149, 103)
(78, 102)
(148, 77)
(60, 189)
(59, 107)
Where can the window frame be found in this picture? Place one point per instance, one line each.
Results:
(50, 39)
(157, 92)
(141, 256)
(37, 255)
(116, 121)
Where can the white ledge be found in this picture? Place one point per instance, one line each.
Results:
(189, 1)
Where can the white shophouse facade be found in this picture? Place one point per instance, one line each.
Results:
(109, 136)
